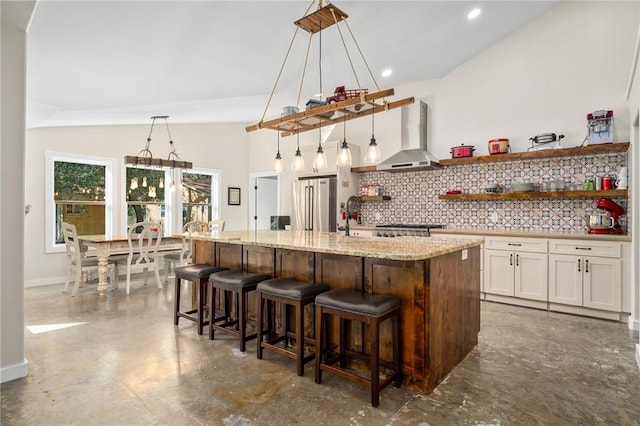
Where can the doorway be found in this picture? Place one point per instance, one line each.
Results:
(264, 200)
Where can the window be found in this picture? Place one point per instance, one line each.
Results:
(200, 196)
(80, 192)
(145, 193)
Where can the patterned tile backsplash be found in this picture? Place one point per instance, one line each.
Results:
(414, 195)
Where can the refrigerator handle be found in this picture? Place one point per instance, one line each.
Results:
(311, 206)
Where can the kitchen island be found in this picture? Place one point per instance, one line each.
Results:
(437, 280)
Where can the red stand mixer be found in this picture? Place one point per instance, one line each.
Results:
(608, 223)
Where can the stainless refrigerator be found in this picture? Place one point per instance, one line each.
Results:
(314, 204)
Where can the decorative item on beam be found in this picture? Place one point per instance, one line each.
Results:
(145, 157)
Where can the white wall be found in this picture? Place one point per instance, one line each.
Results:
(15, 17)
(211, 146)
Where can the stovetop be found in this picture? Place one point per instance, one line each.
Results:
(411, 226)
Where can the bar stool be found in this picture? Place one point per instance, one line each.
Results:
(199, 275)
(287, 292)
(369, 309)
(240, 283)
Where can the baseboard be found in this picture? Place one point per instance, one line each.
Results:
(14, 372)
(45, 281)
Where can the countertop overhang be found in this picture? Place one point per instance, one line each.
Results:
(399, 248)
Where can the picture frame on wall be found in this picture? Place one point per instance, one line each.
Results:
(233, 196)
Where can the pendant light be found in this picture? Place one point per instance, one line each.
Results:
(144, 181)
(134, 183)
(278, 166)
(344, 155)
(373, 152)
(161, 183)
(320, 159)
(297, 165)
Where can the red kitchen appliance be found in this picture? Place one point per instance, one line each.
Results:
(615, 210)
(462, 151)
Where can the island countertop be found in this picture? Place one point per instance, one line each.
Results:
(398, 248)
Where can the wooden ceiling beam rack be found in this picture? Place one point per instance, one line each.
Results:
(316, 117)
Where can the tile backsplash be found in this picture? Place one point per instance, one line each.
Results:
(414, 195)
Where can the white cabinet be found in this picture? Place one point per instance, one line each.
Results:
(516, 267)
(591, 281)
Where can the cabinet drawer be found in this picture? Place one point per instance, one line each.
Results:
(533, 245)
(586, 248)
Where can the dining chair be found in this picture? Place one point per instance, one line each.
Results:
(144, 240)
(77, 261)
(183, 257)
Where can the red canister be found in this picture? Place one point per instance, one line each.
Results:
(606, 182)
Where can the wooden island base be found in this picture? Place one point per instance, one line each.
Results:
(440, 314)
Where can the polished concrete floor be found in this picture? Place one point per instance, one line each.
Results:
(120, 361)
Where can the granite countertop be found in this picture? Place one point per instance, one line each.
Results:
(399, 248)
(487, 233)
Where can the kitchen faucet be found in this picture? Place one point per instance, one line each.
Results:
(350, 210)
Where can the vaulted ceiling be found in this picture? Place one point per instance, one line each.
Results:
(112, 62)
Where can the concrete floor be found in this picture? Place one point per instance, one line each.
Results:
(124, 363)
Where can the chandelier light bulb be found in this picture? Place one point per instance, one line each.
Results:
(297, 165)
(134, 183)
(320, 159)
(373, 152)
(144, 181)
(344, 156)
(161, 183)
(278, 166)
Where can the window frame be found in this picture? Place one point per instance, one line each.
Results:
(216, 194)
(110, 165)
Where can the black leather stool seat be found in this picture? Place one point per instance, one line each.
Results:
(291, 289)
(344, 299)
(197, 271)
(370, 309)
(199, 275)
(230, 282)
(236, 279)
(288, 293)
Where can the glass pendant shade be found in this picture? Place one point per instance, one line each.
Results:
(161, 183)
(277, 164)
(144, 181)
(344, 156)
(134, 183)
(297, 165)
(320, 159)
(373, 152)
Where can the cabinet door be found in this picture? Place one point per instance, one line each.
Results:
(531, 276)
(565, 279)
(602, 283)
(498, 272)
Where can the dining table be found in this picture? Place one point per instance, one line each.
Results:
(114, 245)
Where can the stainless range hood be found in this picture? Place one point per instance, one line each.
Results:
(414, 155)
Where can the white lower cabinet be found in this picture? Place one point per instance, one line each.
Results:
(515, 273)
(588, 281)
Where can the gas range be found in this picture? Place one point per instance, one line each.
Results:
(405, 229)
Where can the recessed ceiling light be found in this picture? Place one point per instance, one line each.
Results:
(474, 14)
(387, 72)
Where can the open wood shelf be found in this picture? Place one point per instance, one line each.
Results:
(365, 198)
(346, 110)
(546, 153)
(532, 195)
(364, 169)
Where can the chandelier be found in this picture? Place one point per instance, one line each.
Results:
(341, 107)
(145, 157)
